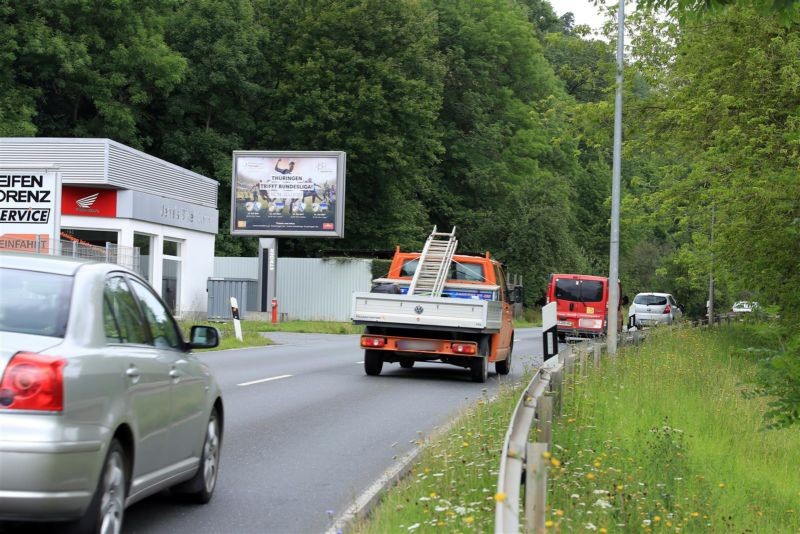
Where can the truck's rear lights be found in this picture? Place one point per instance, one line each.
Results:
(373, 342)
(33, 382)
(464, 348)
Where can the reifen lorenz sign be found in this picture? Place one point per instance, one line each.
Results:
(29, 201)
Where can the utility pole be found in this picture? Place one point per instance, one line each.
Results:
(711, 271)
(613, 268)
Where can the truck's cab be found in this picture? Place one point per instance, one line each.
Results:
(581, 304)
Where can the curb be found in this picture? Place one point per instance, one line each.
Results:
(369, 498)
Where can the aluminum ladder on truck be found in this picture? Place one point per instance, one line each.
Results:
(434, 264)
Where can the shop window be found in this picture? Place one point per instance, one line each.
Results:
(145, 244)
(171, 274)
(97, 238)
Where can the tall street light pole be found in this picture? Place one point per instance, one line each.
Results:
(613, 268)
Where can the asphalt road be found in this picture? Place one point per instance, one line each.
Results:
(306, 431)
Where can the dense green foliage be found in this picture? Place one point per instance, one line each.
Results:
(494, 116)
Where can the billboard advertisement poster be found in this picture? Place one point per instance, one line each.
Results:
(294, 194)
(29, 209)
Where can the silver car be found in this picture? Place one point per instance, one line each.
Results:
(653, 309)
(101, 401)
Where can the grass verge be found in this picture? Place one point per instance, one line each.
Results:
(252, 331)
(452, 486)
(662, 438)
(665, 439)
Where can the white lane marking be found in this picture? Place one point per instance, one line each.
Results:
(359, 363)
(270, 379)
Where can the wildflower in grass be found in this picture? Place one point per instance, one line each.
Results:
(499, 496)
(555, 462)
(721, 484)
(590, 476)
(549, 524)
(546, 455)
(560, 513)
(694, 514)
(469, 520)
(603, 530)
(433, 495)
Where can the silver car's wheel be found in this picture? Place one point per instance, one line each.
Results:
(211, 454)
(201, 486)
(112, 496)
(107, 508)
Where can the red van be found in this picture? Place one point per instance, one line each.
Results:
(582, 304)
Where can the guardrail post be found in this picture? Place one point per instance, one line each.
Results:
(582, 360)
(557, 387)
(596, 351)
(535, 488)
(544, 413)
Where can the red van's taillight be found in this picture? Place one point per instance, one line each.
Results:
(667, 309)
(33, 382)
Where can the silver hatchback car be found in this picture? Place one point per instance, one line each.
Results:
(653, 309)
(101, 401)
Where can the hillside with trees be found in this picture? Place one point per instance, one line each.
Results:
(495, 116)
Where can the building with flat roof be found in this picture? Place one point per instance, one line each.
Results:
(115, 196)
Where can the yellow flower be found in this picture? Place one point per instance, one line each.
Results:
(668, 523)
(570, 420)
(469, 519)
(695, 514)
(603, 530)
(465, 444)
(721, 484)
(426, 470)
(499, 496)
(433, 495)
(620, 487)
(597, 464)
(546, 455)
(555, 462)
(590, 476)
(549, 524)
(657, 518)
(560, 513)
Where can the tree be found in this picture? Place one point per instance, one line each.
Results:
(92, 68)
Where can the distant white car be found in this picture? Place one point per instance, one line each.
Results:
(654, 308)
(744, 306)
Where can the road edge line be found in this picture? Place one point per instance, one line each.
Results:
(370, 497)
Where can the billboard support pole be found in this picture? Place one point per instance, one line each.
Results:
(267, 271)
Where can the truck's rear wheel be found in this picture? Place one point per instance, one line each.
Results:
(373, 362)
(503, 367)
(479, 366)
(479, 369)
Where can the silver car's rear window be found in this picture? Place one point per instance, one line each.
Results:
(650, 300)
(34, 303)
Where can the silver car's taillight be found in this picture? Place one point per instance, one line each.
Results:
(33, 382)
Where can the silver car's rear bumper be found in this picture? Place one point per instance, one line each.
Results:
(644, 319)
(45, 481)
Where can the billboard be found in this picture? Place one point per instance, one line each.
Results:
(29, 209)
(290, 194)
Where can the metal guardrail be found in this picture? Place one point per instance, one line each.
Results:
(540, 401)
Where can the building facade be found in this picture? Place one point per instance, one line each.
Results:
(114, 197)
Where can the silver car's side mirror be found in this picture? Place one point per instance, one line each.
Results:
(203, 337)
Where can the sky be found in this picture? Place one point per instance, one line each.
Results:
(584, 10)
